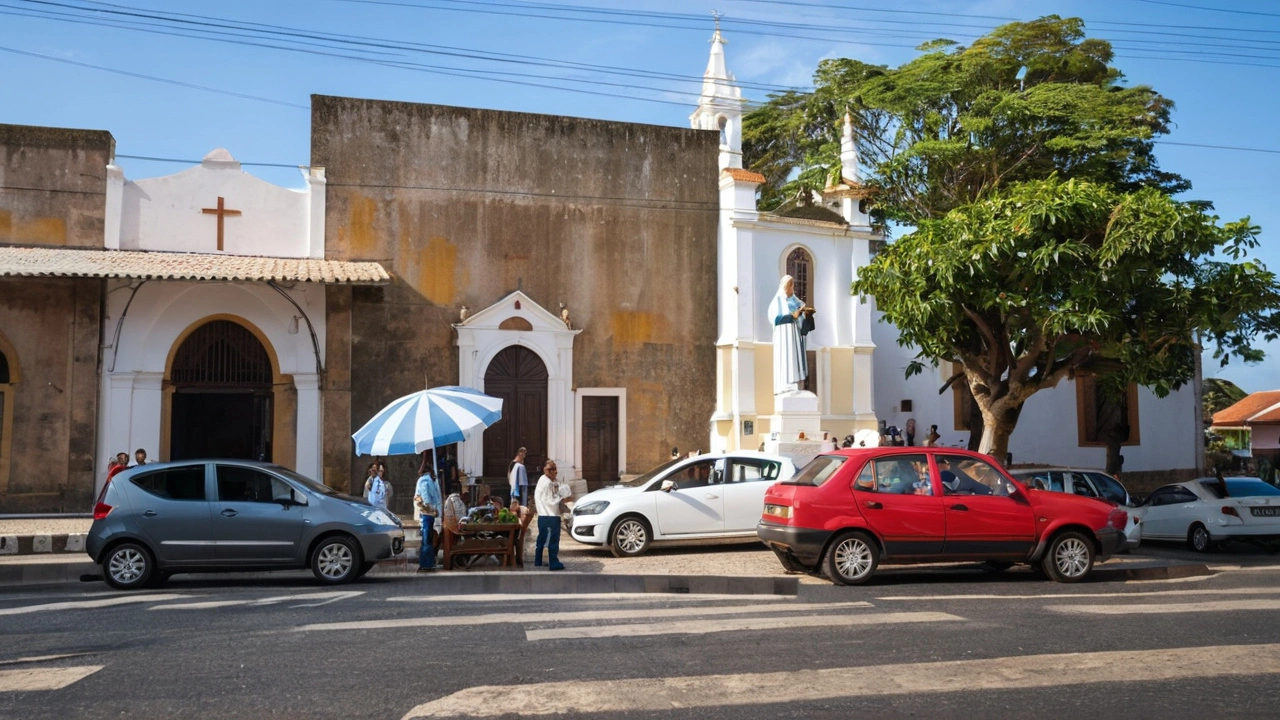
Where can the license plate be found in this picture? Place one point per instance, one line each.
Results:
(1265, 511)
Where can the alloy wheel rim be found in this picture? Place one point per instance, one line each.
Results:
(1200, 538)
(1072, 557)
(127, 565)
(335, 560)
(853, 558)
(631, 536)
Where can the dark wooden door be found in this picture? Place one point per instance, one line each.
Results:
(599, 440)
(518, 376)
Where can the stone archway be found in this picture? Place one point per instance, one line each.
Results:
(222, 381)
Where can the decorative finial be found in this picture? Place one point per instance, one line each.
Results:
(716, 15)
(462, 314)
(564, 316)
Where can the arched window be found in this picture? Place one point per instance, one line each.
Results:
(800, 268)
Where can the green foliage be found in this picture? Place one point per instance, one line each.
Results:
(955, 124)
(1050, 277)
(1219, 395)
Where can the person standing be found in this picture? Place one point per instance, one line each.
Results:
(426, 507)
(376, 490)
(548, 494)
(931, 440)
(790, 365)
(139, 457)
(518, 476)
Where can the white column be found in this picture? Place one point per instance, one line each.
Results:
(316, 184)
(147, 399)
(113, 207)
(310, 422)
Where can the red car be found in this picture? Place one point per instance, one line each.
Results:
(848, 511)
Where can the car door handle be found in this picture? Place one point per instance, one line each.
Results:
(961, 508)
(873, 504)
(712, 496)
(229, 513)
(150, 513)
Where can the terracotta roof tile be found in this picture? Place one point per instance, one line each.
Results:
(62, 262)
(1269, 417)
(745, 175)
(1244, 411)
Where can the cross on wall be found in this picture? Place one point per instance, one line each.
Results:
(221, 211)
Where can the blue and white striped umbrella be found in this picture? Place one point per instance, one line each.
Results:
(426, 420)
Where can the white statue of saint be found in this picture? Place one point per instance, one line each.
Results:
(791, 322)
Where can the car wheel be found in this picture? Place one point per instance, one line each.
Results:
(1198, 538)
(996, 566)
(1070, 557)
(128, 566)
(851, 559)
(629, 537)
(336, 560)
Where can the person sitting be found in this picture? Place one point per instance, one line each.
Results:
(955, 482)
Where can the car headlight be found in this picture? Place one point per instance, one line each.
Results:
(378, 517)
(591, 508)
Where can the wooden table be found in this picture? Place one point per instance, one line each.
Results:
(502, 542)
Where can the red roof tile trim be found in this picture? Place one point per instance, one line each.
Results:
(745, 175)
(63, 262)
(1243, 411)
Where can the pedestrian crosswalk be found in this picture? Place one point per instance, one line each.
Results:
(686, 693)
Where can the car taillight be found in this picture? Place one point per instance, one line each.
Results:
(781, 511)
(1118, 519)
(1228, 510)
(101, 511)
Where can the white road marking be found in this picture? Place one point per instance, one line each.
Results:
(323, 597)
(1118, 596)
(43, 678)
(91, 604)
(654, 695)
(560, 617)
(701, 627)
(1153, 609)
(626, 597)
(1245, 569)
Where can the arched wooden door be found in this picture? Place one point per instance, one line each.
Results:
(518, 376)
(222, 395)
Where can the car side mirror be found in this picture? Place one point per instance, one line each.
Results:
(668, 486)
(298, 499)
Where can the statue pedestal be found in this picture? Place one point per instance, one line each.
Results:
(795, 428)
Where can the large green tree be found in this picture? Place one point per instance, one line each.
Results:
(1049, 278)
(957, 122)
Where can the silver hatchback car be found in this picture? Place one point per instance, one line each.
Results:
(219, 515)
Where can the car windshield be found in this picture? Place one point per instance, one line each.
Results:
(305, 481)
(1241, 487)
(639, 480)
(818, 471)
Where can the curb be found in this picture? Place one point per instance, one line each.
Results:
(1151, 572)
(37, 544)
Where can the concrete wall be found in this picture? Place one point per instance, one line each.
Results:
(616, 220)
(52, 329)
(52, 183)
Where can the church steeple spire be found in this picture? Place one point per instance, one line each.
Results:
(720, 105)
(849, 153)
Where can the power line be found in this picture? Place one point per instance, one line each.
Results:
(1219, 147)
(1209, 9)
(197, 162)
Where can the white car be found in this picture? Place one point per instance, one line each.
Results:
(1203, 513)
(1089, 483)
(718, 495)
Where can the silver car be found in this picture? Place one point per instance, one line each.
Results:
(1089, 483)
(219, 515)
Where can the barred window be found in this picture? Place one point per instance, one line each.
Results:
(800, 268)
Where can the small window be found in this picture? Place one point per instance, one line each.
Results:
(242, 484)
(755, 471)
(181, 483)
(800, 268)
(903, 475)
(1109, 488)
(866, 481)
(819, 470)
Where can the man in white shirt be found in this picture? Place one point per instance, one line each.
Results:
(547, 495)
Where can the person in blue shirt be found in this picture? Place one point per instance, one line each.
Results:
(426, 507)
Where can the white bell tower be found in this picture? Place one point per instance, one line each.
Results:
(720, 105)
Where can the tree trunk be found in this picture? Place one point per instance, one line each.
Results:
(998, 421)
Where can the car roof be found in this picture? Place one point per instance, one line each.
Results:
(1056, 468)
(199, 461)
(863, 453)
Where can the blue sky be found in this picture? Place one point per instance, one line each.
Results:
(1219, 60)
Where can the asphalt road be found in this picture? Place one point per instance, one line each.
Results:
(938, 643)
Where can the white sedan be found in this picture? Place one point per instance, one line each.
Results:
(1205, 512)
(718, 495)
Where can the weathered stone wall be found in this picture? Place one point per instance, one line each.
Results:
(52, 185)
(616, 220)
(52, 327)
